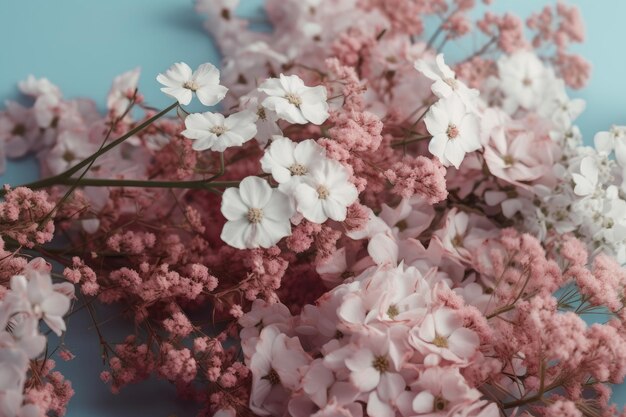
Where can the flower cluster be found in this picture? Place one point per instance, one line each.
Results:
(362, 227)
(28, 387)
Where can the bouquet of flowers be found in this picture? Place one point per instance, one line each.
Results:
(364, 228)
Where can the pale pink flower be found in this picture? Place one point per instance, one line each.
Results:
(409, 218)
(443, 334)
(18, 129)
(374, 368)
(276, 365)
(71, 148)
(512, 158)
(443, 392)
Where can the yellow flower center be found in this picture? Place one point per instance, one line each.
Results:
(294, 99)
(255, 215)
(298, 169)
(322, 192)
(191, 85)
(440, 341)
(381, 364)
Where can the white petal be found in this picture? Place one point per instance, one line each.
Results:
(423, 403)
(278, 207)
(206, 74)
(334, 210)
(236, 233)
(454, 153)
(210, 95)
(255, 192)
(463, 342)
(233, 208)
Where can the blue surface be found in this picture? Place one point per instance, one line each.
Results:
(81, 45)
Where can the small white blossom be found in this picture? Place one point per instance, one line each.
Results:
(455, 132)
(587, 180)
(523, 79)
(445, 82)
(36, 87)
(326, 192)
(258, 216)
(181, 83)
(290, 162)
(122, 91)
(44, 300)
(294, 101)
(267, 120)
(613, 140)
(215, 132)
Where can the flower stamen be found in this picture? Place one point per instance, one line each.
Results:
(298, 169)
(294, 99)
(255, 215)
(191, 85)
(322, 192)
(452, 131)
(381, 364)
(218, 130)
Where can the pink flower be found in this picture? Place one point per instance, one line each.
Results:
(276, 366)
(443, 392)
(374, 364)
(443, 334)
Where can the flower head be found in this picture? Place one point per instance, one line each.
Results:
(326, 193)
(215, 132)
(290, 162)
(258, 216)
(294, 101)
(182, 83)
(455, 131)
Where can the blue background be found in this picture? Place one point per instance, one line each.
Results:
(81, 45)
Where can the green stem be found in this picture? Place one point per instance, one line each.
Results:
(60, 178)
(408, 141)
(197, 184)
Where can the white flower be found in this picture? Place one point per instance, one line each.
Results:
(122, 91)
(267, 120)
(558, 106)
(215, 132)
(326, 192)
(44, 299)
(613, 140)
(258, 216)
(455, 131)
(36, 87)
(294, 101)
(180, 82)
(587, 181)
(523, 79)
(445, 82)
(290, 162)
